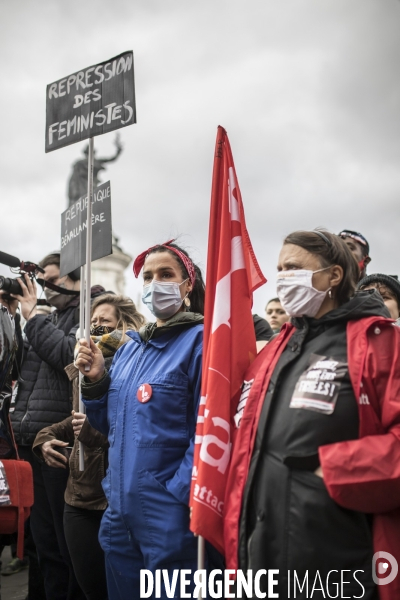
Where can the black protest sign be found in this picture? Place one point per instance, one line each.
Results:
(73, 230)
(318, 387)
(91, 102)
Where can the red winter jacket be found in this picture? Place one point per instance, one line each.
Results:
(362, 474)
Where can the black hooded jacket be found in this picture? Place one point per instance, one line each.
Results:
(288, 521)
(44, 391)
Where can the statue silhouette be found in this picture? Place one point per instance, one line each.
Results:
(77, 185)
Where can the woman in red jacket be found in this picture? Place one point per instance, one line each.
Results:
(314, 487)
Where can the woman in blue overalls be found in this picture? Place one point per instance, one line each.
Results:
(147, 405)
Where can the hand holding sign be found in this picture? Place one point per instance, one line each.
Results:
(77, 422)
(90, 357)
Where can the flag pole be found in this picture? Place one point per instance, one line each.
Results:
(82, 408)
(201, 557)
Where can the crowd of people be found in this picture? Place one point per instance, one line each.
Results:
(315, 496)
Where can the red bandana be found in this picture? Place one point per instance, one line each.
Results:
(139, 260)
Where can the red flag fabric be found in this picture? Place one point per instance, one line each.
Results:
(229, 342)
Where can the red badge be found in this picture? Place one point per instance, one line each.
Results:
(144, 393)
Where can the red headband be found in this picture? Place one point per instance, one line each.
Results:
(139, 260)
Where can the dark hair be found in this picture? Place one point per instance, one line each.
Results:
(331, 250)
(198, 292)
(54, 259)
(378, 279)
(50, 259)
(126, 312)
(358, 237)
(272, 300)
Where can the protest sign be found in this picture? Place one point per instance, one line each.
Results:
(73, 230)
(91, 102)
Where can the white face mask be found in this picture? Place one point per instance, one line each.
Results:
(163, 298)
(296, 292)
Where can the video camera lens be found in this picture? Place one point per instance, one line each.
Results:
(11, 286)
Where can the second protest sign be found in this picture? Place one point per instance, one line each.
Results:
(73, 230)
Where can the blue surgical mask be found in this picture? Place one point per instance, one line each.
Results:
(162, 298)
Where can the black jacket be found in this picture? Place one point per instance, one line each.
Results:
(44, 391)
(289, 522)
(262, 329)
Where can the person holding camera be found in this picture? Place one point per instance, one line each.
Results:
(43, 397)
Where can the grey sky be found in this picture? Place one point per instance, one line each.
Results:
(308, 91)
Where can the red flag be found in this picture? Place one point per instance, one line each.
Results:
(229, 342)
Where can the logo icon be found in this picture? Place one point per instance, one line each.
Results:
(144, 393)
(382, 567)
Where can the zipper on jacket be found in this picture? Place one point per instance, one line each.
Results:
(122, 463)
(248, 549)
(140, 359)
(21, 423)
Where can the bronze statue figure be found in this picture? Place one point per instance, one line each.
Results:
(77, 185)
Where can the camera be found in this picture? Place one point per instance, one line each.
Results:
(11, 285)
(7, 284)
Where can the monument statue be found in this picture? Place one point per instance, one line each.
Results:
(109, 270)
(77, 185)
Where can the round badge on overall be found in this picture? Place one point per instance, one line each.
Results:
(144, 393)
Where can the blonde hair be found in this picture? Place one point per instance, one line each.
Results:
(128, 317)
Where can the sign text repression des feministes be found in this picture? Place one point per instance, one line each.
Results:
(73, 230)
(91, 102)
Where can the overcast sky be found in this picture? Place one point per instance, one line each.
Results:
(308, 91)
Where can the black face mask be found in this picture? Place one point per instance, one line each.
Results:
(101, 330)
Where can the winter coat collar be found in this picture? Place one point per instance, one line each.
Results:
(185, 319)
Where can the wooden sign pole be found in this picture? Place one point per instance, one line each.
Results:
(86, 283)
(89, 241)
